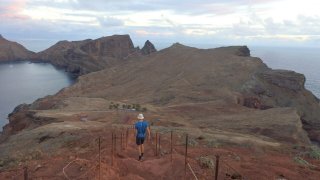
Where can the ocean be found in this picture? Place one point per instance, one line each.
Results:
(24, 82)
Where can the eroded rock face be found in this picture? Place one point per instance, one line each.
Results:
(12, 51)
(118, 46)
(148, 48)
(81, 57)
(19, 119)
(284, 79)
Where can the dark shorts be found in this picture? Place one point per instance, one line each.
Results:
(139, 140)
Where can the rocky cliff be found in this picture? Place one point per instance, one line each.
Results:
(281, 88)
(10, 51)
(81, 57)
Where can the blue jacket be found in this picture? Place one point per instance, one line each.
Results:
(141, 127)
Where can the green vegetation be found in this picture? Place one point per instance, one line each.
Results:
(206, 162)
(314, 152)
(302, 162)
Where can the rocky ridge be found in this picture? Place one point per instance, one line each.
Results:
(79, 57)
(226, 78)
(82, 57)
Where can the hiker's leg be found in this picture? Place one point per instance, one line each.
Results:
(139, 148)
(142, 148)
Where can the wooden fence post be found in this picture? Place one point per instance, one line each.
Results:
(217, 167)
(121, 141)
(25, 173)
(171, 144)
(99, 157)
(186, 157)
(127, 137)
(115, 143)
(112, 149)
(156, 139)
(159, 147)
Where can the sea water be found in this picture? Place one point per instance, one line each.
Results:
(24, 82)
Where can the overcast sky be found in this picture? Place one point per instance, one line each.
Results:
(38, 24)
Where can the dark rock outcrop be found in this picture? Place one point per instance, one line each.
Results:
(81, 57)
(243, 51)
(148, 48)
(12, 51)
(236, 50)
(282, 88)
(284, 79)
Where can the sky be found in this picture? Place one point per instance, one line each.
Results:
(38, 24)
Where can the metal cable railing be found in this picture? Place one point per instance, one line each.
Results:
(162, 143)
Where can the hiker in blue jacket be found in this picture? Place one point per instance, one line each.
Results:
(141, 127)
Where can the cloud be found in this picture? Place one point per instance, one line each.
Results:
(12, 9)
(181, 7)
(150, 33)
(110, 21)
(223, 21)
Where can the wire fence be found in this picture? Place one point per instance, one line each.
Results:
(105, 148)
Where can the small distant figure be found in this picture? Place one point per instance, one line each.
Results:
(141, 127)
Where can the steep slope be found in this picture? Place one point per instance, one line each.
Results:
(175, 75)
(10, 51)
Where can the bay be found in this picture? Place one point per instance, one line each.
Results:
(24, 82)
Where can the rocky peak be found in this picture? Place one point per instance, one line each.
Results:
(148, 48)
(1, 36)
